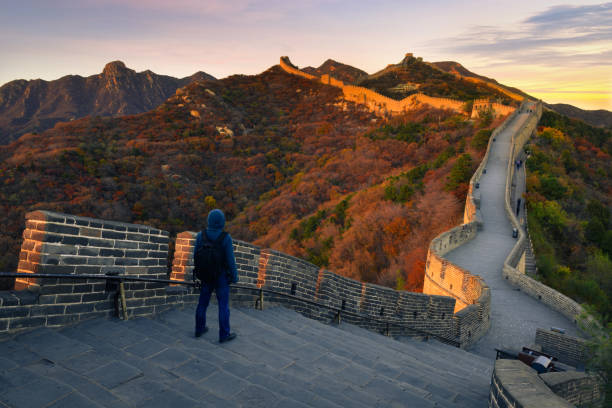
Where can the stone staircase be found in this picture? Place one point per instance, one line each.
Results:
(280, 359)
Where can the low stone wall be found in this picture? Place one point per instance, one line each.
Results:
(578, 388)
(568, 349)
(515, 385)
(412, 314)
(547, 295)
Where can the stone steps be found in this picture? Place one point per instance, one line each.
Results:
(280, 359)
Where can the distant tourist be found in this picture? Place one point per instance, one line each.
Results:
(215, 267)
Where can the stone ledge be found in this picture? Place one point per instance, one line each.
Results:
(518, 386)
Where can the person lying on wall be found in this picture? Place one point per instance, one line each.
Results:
(215, 268)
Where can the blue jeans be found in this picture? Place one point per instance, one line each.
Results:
(222, 290)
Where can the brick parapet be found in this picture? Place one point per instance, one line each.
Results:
(76, 242)
(576, 387)
(567, 349)
(516, 385)
(71, 244)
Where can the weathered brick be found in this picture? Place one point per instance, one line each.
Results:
(68, 298)
(112, 252)
(82, 288)
(136, 237)
(102, 243)
(62, 229)
(94, 297)
(80, 308)
(61, 320)
(126, 244)
(100, 261)
(88, 269)
(15, 311)
(113, 235)
(26, 322)
(88, 251)
(73, 260)
(45, 310)
(135, 253)
(59, 249)
(126, 261)
(71, 240)
(158, 240)
(47, 237)
(60, 269)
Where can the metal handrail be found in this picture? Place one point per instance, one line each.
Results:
(121, 278)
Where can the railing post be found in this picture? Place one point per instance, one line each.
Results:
(339, 317)
(122, 294)
(387, 330)
(261, 299)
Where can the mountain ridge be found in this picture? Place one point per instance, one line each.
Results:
(37, 105)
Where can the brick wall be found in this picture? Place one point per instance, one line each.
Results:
(515, 385)
(568, 349)
(578, 388)
(381, 104)
(270, 269)
(69, 244)
(79, 245)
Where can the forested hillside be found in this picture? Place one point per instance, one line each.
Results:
(294, 167)
(569, 199)
(413, 75)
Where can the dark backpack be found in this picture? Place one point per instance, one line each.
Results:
(209, 260)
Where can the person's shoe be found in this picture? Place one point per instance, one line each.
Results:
(229, 337)
(199, 334)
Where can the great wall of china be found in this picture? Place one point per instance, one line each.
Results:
(455, 304)
(381, 104)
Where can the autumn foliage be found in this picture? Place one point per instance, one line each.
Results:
(294, 167)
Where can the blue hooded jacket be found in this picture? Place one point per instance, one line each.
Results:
(216, 222)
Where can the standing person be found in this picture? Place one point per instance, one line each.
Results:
(229, 274)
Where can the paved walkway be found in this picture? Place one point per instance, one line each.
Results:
(279, 359)
(515, 316)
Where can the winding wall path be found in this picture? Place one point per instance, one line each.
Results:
(515, 316)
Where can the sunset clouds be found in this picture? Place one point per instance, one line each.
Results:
(562, 53)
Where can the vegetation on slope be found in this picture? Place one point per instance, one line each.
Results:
(293, 166)
(412, 75)
(569, 199)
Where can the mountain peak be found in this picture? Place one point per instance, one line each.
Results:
(114, 67)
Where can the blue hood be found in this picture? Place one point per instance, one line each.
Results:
(216, 220)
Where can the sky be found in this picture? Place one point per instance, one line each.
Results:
(558, 51)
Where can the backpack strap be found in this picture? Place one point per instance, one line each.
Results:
(220, 238)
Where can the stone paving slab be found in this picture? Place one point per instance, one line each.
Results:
(280, 358)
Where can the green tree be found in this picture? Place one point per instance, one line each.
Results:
(461, 172)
